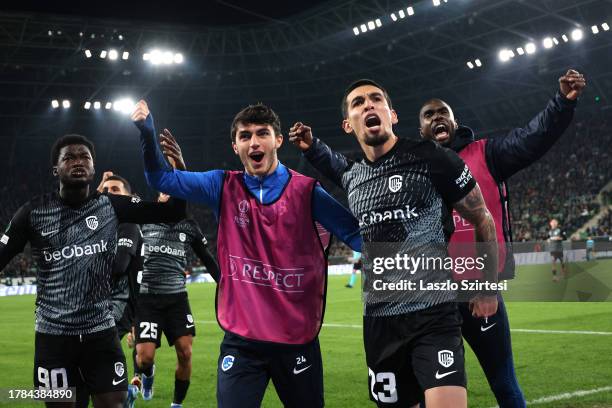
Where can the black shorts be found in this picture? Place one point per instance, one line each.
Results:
(557, 255)
(170, 314)
(127, 321)
(246, 367)
(95, 360)
(410, 353)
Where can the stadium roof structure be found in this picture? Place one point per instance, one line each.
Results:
(297, 62)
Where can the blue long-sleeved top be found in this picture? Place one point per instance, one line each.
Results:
(206, 188)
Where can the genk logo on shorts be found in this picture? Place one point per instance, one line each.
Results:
(395, 183)
(227, 363)
(446, 358)
(92, 222)
(190, 318)
(119, 370)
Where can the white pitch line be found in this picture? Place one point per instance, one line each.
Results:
(358, 326)
(566, 395)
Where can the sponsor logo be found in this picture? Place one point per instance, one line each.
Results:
(243, 219)
(395, 183)
(125, 242)
(182, 237)
(115, 382)
(227, 362)
(165, 249)
(204, 241)
(91, 222)
(4, 239)
(47, 233)
(375, 217)
(119, 369)
(136, 200)
(189, 326)
(152, 234)
(75, 251)
(446, 358)
(484, 329)
(301, 370)
(464, 178)
(440, 376)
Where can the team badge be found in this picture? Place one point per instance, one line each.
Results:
(91, 222)
(445, 358)
(190, 318)
(227, 363)
(119, 369)
(182, 237)
(395, 183)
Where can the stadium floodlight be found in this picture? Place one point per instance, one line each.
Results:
(113, 55)
(87, 54)
(103, 54)
(363, 28)
(371, 25)
(478, 63)
(168, 57)
(393, 17)
(96, 105)
(55, 104)
(124, 105)
(50, 33)
(605, 27)
(511, 53)
(120, 37)
(378, 22)
(577, 34)
(410, 11)
(87, 105)
(178, 58)
(470, 65)
(520, 51)
(65, 104)
(548, 42)
(595, 29)
(504, 55)
(156, 57)
(530, 48)
(356, 30)
(401, 14)
(564, 38)
(555, 41)
(108, 105)
(125, 55)
(436, 3)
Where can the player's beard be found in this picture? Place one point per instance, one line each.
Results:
(76, 183)
(376, 140)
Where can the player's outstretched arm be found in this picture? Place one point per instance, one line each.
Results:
(136, 211)
(15, 236)
(523, 146)
(201, 187)
(331, 164)
(336, 219)
(201, 250)
(473, 208)
(127, 248)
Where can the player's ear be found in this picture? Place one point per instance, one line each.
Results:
(346, 126)
(279, 140)
(394, 118)
(235, 147)
(455, 124)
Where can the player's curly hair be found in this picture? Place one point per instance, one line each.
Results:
(258, 114)
(72, 139)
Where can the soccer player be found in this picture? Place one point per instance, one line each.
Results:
(555, 239)
(73, 234)
(163, 305)
(357, 265)
(271, 291)
(492, 162)
(400, 192)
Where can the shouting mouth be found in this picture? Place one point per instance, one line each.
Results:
(78, 172)
(257, 157)
(440, 132)
(372, 122)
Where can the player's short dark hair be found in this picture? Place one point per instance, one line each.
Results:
(72, 139)
(357, 84)
(258, 114)
(126, 184)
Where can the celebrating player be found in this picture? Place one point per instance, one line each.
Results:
(73, 235)
(555, 239)
(427, 179)
(271, 292)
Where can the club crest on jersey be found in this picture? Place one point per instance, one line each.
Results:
(119, 369)
(395, 183)
(227, 363)
(190, 318)
(446, 358)
(91, 222)
(182, 237)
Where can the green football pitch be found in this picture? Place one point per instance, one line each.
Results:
(563, 351)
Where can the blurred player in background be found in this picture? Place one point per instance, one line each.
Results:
(357, 265)
(555, 239)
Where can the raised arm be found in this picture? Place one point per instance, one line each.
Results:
(331, 164)
(15, 236)
(523, 146)
(336, 219)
